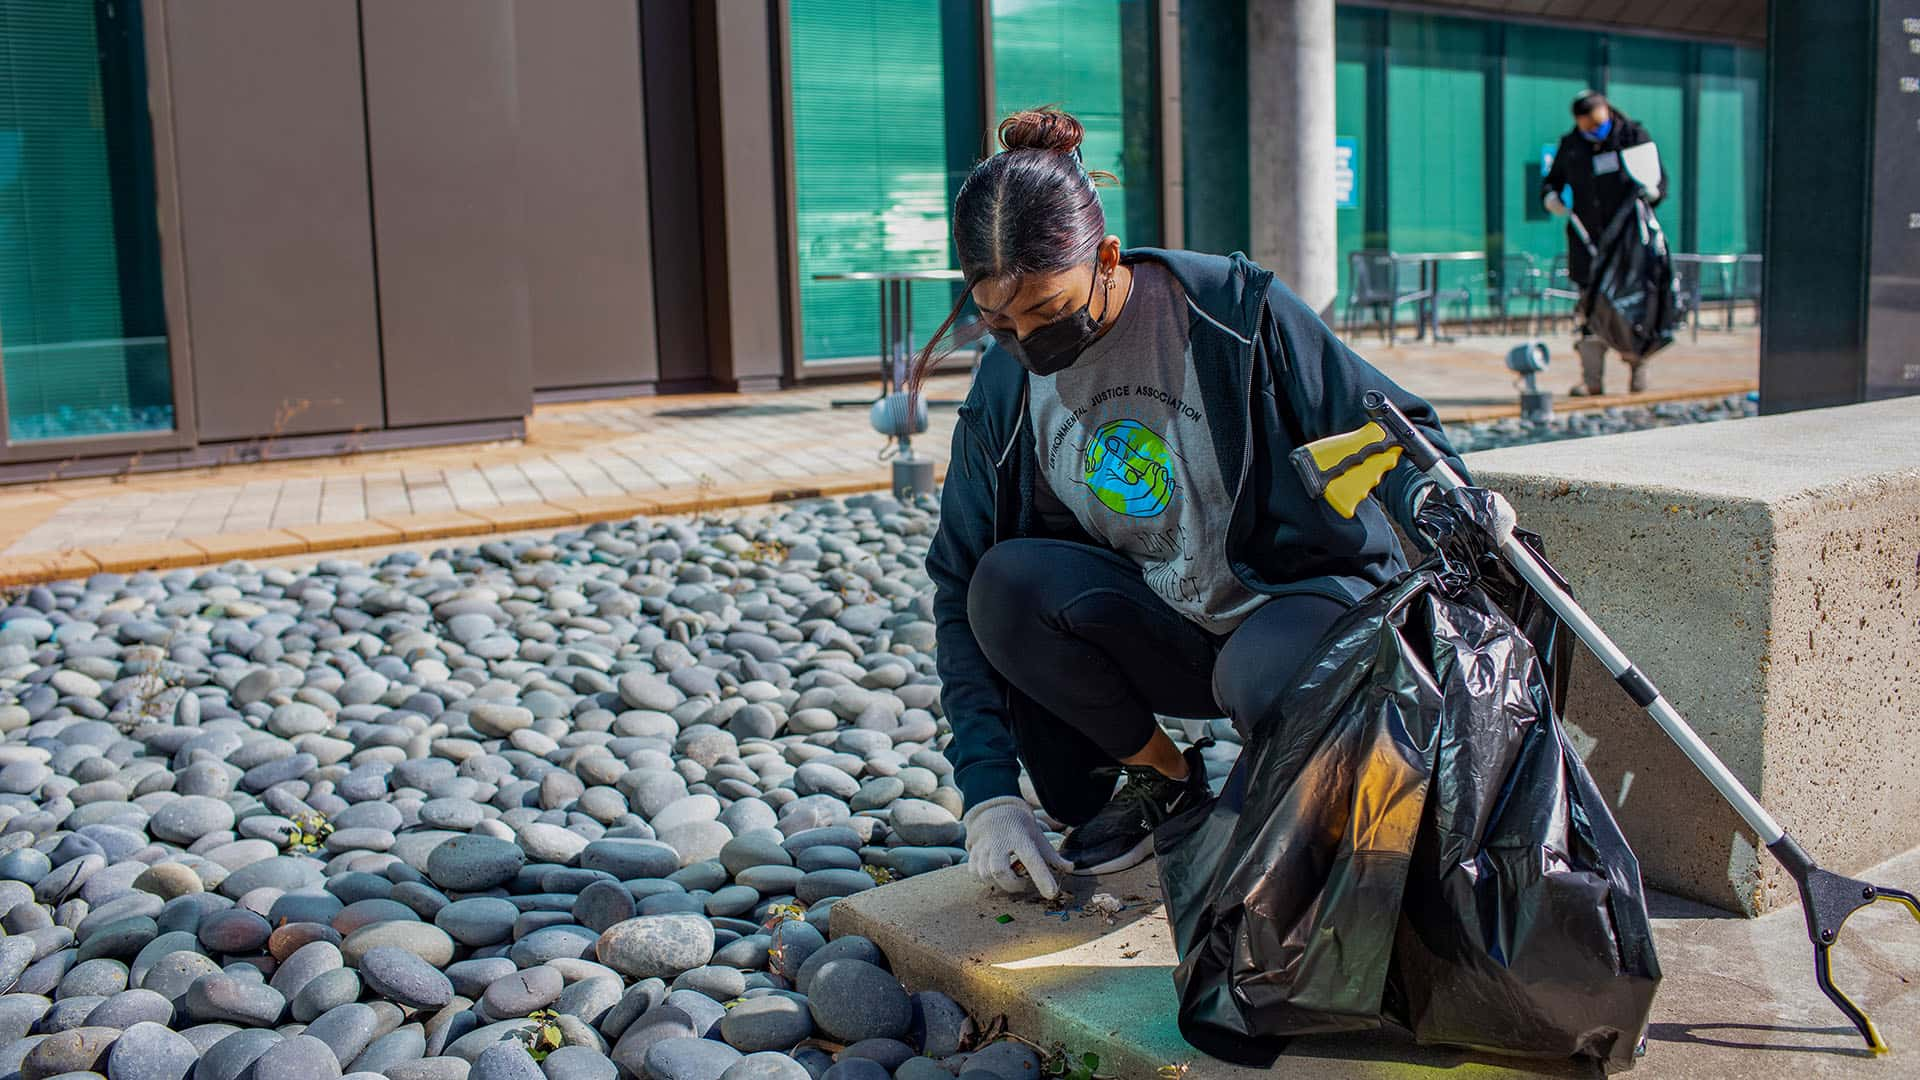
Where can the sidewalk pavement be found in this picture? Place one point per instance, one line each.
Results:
(607, 460)
(593, 461)
(1737, 999)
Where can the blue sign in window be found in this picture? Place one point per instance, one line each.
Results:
(1346, 172)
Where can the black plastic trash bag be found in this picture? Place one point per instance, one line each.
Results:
(1632, 300)
(1416, 842)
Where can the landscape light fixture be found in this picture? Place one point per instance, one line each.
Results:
(900, 417)
(1536, 405)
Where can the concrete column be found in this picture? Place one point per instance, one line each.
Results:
(1290, 145)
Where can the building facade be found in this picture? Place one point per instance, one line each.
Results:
(235, 229)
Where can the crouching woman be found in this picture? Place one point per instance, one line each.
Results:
(1122, 535)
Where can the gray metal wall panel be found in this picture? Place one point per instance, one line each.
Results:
(741, 173)
(272, 173)
(584, 173)
(673, 172)
(443, 135)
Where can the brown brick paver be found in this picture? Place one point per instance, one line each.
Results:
(257, 544)
(46, 566)
(607, 460)
(347, 534)
(147, 555)
(435, 526)
(517, 516)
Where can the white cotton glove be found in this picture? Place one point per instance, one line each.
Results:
(1503, 519)
(1554, 205)
(1003, 831)
(1420, 496)
(1503, 516)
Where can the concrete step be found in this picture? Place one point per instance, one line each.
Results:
(1738, 999)
(1761, 572)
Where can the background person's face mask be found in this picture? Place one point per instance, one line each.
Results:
(1600, 132)
(1053, 348)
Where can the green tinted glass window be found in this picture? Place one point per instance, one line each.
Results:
(1545, 70)
(1647, 80)
(1436, 131)
(1440, 110)
(1090, 57)
(83, 340)
(870, 163)
(1729, 161)
(1213, 123)
(1359, 83)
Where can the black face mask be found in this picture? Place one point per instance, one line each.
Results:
(1054, 347)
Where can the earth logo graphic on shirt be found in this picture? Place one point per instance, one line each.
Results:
(1129, 469)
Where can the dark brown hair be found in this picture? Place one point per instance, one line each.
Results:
(1030, 209)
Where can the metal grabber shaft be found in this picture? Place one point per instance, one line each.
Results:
(1827, 899)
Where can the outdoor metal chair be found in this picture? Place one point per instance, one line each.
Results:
(1724, 280)
(1749, 280)
(1461, 296)
(1518, 284)
(1373, 284)
(1716, 287)
(1686, 274)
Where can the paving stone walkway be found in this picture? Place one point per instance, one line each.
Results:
(610, 459)
(589, 461)
(1737, 997)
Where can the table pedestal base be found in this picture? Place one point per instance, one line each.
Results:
(912, 475)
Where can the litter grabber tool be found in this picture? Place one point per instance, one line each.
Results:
(1344, 468)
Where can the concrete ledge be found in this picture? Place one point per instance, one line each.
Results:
(1763, 573)
(1738, 1000)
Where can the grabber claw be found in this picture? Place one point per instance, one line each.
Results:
(1827, 900)
(1344, 469)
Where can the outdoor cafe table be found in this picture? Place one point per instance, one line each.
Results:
(896, 320)
(1429, 291)
(1726, 264)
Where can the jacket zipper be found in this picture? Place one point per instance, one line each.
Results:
(1246, 447)
(1019, 424)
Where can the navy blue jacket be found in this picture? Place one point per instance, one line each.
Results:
(1272, 377)
(1596, 197)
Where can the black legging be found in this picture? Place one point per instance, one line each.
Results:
(1076, 629)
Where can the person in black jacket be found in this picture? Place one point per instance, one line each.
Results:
(1588, 162)
(1121, 533)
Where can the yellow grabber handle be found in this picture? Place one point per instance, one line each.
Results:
(1344, 469)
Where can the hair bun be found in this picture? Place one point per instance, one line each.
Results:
(1045, 128)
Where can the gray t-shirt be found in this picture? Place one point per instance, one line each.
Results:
(1125, 449)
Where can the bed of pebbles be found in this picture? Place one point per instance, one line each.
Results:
(1493, 434)
(575, 808)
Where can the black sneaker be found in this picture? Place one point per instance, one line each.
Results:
(1120, 836)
